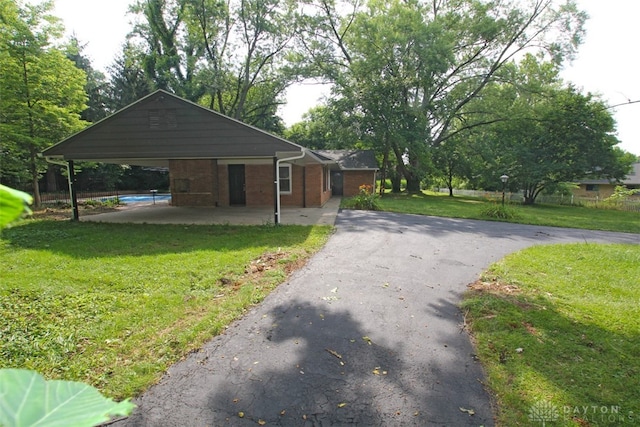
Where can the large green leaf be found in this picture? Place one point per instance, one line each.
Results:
(13, 203)
(27, 399)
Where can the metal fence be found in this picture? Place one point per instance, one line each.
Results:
(631, 205)
(63, 197)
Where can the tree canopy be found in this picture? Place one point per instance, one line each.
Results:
(447, 89)
(410, 68)
(43, 92)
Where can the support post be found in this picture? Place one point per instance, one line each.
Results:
(276, 193)
(72, 191)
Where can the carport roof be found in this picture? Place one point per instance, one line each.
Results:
(163, 126)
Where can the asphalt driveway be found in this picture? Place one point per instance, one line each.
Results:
(368, 333)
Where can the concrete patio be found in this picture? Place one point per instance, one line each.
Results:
(163, 213)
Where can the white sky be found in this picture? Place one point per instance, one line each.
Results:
(607, 63)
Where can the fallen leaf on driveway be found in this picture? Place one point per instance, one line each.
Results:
(368, 340)
(333, 353)
(468, 411)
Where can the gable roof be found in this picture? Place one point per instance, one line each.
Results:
(350, 159)
(163, 126)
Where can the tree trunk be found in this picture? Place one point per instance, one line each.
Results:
(383, 173)
(413, 183)
(52, 179)
(396, 182)
(37, 201)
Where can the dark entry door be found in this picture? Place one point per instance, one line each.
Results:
(237, 193)
(336, 183)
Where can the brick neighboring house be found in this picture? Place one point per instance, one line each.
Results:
(214, 160)
(603, 188)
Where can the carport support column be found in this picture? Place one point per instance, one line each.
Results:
(276, 194)
(72, 191)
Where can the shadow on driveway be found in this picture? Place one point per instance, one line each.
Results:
(368, 333)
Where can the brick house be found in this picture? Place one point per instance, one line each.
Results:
(214, 160)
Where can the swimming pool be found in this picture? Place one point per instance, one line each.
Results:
(141, 198)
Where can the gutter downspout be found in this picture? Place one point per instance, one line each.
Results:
(72, 190)
(277, 181)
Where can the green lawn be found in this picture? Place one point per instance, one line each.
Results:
(556, 328)
(437, 204)
(114, 305)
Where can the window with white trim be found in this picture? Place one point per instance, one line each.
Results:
(285, 179)
(326, 180)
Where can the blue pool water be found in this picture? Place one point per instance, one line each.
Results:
(142, 198)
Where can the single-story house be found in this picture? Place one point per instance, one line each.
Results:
(214, 160)
(603, 188)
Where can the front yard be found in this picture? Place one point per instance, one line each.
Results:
(115, 305)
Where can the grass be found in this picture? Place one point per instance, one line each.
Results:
(437, 204)
(556, 328)
(114, 304)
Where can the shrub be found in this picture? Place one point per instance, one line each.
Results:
(366, 199)
(498, 211)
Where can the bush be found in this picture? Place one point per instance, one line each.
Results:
(366, 199)
(499, 211)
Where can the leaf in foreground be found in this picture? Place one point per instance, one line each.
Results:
(27, 399)
(13, 203)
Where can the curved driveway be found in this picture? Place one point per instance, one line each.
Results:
(368, 333)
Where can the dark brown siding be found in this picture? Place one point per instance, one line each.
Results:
(162, 126)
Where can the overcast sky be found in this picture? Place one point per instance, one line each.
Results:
(607, 63)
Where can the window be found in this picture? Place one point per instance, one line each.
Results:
(326, 181)
(592, 187)
(285, 179)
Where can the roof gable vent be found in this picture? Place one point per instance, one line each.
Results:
(163, 119)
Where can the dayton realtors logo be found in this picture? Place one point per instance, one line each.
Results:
(545, 412)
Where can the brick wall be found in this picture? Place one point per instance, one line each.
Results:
(259, 185)
(193, 182)
(205, 183)
(296, 198)
(223, 185)
(315, 195)
(352, 180)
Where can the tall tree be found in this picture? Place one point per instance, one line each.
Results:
(42, 91)
(412, 67)
(96, 87)
(322, 129)
(230, 56)
(128, 81)
(547, 133)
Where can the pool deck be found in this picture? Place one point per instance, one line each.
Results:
(162, 213)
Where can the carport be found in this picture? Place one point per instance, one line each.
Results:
(213, 160)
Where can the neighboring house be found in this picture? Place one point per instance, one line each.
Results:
(603, 188)
(214, 160)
